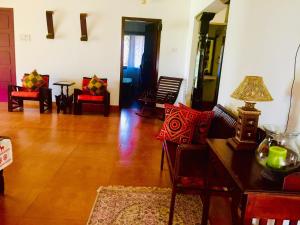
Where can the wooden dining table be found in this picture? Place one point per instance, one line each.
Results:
(240, 172)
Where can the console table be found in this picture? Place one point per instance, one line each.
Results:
(64, 101)
(240, 172)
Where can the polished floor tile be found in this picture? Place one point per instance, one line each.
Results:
(60, 161)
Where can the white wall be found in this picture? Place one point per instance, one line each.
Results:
(67, 58)
(262, 38)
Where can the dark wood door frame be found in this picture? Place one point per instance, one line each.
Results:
(149, 20)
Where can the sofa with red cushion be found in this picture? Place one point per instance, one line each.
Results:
(83, 96)
(17, 94)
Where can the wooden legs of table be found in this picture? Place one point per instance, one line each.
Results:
(1, 183)
(206, 195)
(64, 103)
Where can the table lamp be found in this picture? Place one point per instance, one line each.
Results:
(251, 90)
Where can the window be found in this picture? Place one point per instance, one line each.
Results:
(133, 50)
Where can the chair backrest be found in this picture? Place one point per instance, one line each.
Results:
(168, 89)
(223, 123)
(86, 80)
(272, 206)
(292, 182)
(46, 79)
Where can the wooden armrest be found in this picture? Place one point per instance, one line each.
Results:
(77, 92)
(184, 149)
(45, 92)
(12, 87)
(45, 89)
(107, 92)
(192, 147)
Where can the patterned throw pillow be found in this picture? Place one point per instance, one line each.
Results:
(32, 81)
(96, 86)
(179, 125)
(202, 124)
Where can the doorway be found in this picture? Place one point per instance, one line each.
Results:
(213, 64)
(7, 52)
(139, 58)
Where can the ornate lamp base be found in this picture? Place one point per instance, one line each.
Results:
(241, 145)
(246, 127)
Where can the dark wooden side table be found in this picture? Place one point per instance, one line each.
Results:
(64, 102)
(240, 172)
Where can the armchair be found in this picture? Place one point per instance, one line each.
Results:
(188, 163)
(85, 97)
(17, 94)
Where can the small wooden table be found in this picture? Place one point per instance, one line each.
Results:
(64, 101)
(240, 172)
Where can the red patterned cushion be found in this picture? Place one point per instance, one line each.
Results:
(179, 125)
(202, 125)
(85, 83)
(95, 98)
(32, 81)
(96, 86)
(25, 94)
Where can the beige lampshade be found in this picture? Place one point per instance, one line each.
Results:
(252, 89)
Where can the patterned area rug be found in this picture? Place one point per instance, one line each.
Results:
(118, 205)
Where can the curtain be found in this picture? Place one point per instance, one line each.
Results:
(133, 50)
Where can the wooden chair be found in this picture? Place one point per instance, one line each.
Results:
(188, 163)
(17, 95)
(272, 206)
(262, 207)
(167, 91)
(84, 97)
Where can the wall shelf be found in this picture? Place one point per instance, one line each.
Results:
(84, 35)
(49, 18)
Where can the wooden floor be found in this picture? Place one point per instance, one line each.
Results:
(61, 160)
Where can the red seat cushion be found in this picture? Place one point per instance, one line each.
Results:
(94, 98)
(25, 94)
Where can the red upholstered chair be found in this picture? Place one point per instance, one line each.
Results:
(272, 206)
(263, 206)
(17, 94)
(84, 97)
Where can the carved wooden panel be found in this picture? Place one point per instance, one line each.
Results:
(49, 17)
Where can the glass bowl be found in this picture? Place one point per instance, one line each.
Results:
(279, 152)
